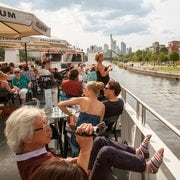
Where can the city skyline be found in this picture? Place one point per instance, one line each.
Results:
(82, 23)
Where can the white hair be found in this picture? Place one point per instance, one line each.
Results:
(19, 126)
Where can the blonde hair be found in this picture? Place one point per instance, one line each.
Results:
(97, 55)
(19, 126)
(95, 86)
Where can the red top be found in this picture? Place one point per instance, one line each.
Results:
(28, 166)
(72, 87)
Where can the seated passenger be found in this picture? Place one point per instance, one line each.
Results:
(28, 132)
(72, 87)
(5, 87)
(91, 110)
(21, 83)
(4, 83)
(92, 76)
(113, 104)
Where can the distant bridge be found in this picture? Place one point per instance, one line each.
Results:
(109, 54)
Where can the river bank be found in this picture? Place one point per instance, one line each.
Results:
(148, 69)
(145, 70)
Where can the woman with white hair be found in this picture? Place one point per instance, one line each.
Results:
(22, 83)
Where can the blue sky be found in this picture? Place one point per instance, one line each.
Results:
(82, 23)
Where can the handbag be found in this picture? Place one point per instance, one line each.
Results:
(29, 95)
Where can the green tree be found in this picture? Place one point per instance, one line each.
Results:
(174, 56)
(164, 50)
(22, 55)
(162, 57)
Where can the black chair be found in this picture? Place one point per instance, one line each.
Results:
(7, 98)
(45, 82)
(110, 123)
(15, 97)
(58, 136)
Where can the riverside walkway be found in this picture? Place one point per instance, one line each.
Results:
(149, 70)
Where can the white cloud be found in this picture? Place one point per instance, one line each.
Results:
(85, 22)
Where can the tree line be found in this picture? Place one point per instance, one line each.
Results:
(160, 56)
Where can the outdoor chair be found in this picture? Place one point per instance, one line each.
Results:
(15, 97)
(7, 98)
(45, 82)
(110, 123)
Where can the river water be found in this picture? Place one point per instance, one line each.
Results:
(161, 94)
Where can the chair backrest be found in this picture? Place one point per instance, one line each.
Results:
(111, 121)
(6, 97)
(36, 102)
(5, 94)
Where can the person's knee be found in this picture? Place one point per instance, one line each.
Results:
(105, 152)
(98, 140)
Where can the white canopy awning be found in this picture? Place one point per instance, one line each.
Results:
(16, 24)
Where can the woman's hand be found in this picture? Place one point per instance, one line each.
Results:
(72, 121)
(110, 68)
(85, 142)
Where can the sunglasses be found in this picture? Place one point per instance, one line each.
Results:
(45, 127)
(106, 88)
(17, 72)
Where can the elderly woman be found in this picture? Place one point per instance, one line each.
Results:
(28, 132)
(21, 83)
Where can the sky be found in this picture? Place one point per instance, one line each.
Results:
(83, 23)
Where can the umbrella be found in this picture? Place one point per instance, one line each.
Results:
(18, 24)
(15, 24)
(34, 43)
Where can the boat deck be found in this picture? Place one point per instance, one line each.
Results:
(8, 167)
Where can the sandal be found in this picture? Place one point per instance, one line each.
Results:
(156, 161)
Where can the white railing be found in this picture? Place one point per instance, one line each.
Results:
(142, 108)
(133, 129)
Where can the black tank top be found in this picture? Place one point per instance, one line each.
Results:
(100, 78)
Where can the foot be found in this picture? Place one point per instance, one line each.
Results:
(152, 166)
(143, 148)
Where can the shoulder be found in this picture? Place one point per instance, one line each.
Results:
(101, 104)
(120, 101)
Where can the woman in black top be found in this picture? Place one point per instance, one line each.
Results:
(102, 71)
